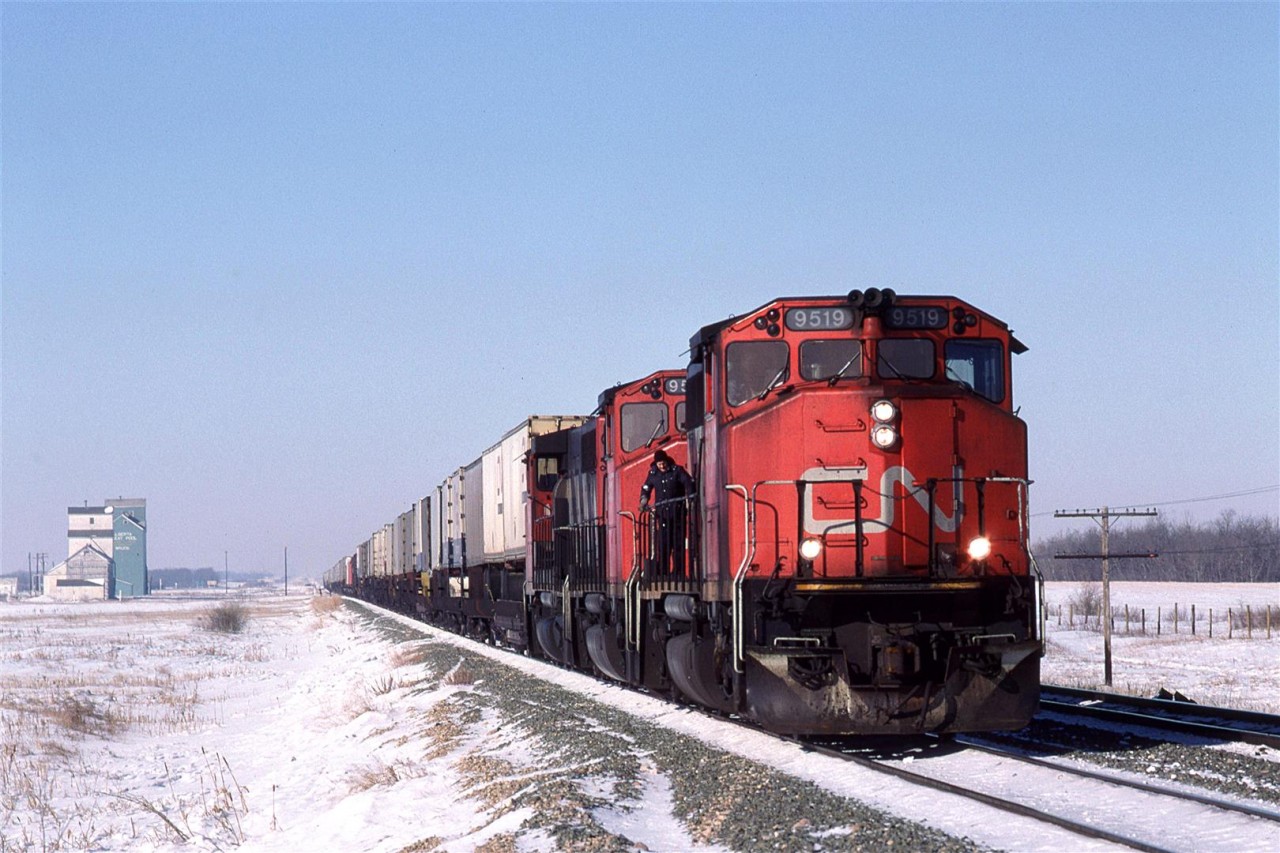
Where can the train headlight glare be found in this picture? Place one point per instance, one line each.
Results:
(884, 411)
(884, 436)
(980, 548)
(810, 549)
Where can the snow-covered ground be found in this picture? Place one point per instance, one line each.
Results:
(130, 726)
(1234, 672)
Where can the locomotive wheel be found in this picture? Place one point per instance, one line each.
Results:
(602, 646)
(692, 664)
(550, 633)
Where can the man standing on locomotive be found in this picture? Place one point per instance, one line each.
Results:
(669, 485)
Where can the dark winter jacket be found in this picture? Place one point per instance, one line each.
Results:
(661, 486)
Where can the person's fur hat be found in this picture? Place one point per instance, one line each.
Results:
(661, 456)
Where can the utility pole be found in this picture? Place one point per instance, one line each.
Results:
(42, 565)
(1105, 514)
(286, 569)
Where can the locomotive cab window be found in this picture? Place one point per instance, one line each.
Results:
(548, 472)
(682, 416)
(978, 365)
(905, 358)
(642, 423)
(829, 359)
(754, 367)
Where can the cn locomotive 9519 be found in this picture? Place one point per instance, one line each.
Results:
(852, 556)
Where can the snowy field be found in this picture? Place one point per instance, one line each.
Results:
(130, 726)
(1234, 672)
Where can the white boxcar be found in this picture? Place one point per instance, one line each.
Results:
(506, 495)
(363, 557)
(439, 528)
(422, 534)
(472, 487)
(399, 530)
(382, 540)
(452, 556)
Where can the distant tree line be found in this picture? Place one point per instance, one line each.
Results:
(183, 578)
(197, 578)
(1231, 548)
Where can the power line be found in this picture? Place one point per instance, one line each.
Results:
(1245, 493)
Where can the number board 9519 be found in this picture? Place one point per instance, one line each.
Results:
(916, 317)
(819, 319)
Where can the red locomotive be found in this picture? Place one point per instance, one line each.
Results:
(852, 556)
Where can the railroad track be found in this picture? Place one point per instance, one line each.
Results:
(1188, 718)
(1116, 809)
(1083, 802)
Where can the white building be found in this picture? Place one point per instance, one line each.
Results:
(83, 576)
(90, 525)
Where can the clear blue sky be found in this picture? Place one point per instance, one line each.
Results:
(279, 268)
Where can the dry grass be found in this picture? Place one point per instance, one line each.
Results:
(413, 655)
(380, 775)
(74, 681)
(325, 604)
(230, 617)
(460, 675)
(382, 685)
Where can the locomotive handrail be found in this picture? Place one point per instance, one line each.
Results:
(738, 575)
(739, 641)
(1041, 605)
(631, 589)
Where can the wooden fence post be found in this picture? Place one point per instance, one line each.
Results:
(1175, 617)
(1144, 621)
(1211, 623)
(1248, 618)
(1231, 623)
(1126, 619)
(1158, 617)
(1193, 620)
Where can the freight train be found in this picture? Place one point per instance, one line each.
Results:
(849, 554)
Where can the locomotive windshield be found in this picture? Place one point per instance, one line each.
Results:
(979, 365)
(642, 423)
(830, 359)
(905, 358)
(754, 367)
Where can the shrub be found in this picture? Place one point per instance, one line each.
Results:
(227, 618)
(1087, 600)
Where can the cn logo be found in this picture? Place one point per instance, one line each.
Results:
(889, 498)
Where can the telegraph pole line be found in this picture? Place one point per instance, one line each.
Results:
(1105, 515)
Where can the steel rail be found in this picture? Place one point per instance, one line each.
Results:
(1229, 805)
(986, 799)
(1172, 716)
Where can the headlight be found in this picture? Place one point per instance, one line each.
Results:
(980, 548)
(884, 436)
(884, 411)
(810, 549)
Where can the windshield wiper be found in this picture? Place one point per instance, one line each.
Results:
(774, 382)
(660, 427)
(839, 374)
(955, 377)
